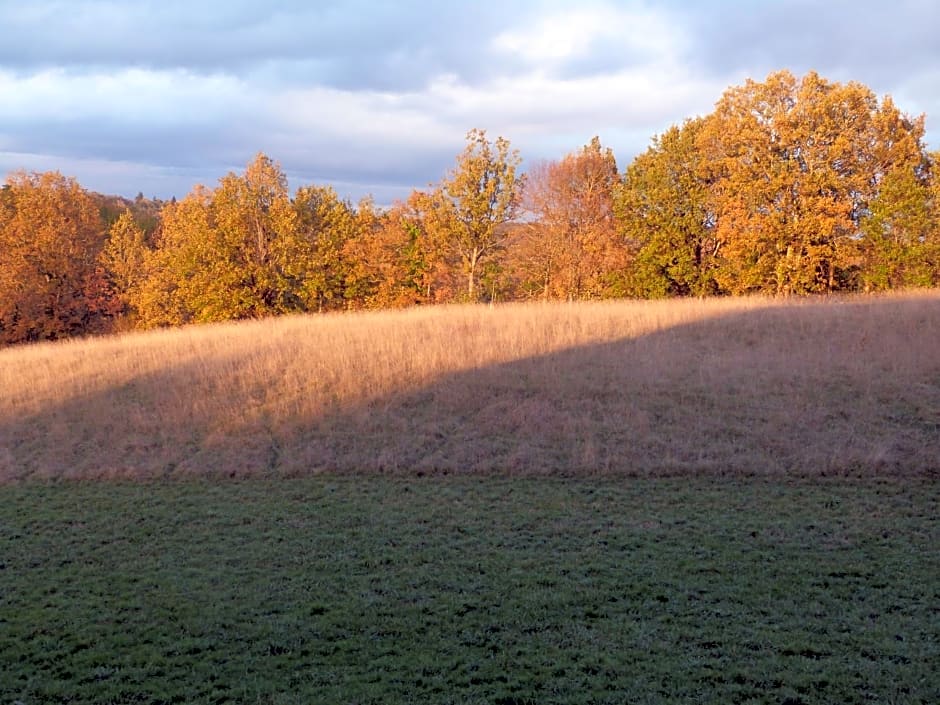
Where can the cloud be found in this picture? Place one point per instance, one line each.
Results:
(347, 44)
(618, 36)
(376, 137)
(132, 94)
(885, 45)
(378, 96)
(875, 38)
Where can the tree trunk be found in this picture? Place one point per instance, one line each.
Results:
(471, 275)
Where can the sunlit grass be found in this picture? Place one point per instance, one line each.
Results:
(727, 385)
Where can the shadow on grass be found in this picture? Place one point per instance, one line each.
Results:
(815, 389)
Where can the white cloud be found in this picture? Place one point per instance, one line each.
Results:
(574, 33)
(370, 116)
(130, 95)
(538, 103)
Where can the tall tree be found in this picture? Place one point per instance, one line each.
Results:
(483, 190)
(325, 224)
(569, 246)
(226, 254)
(370, 256)
(175, 276)
(663, 211)
(257, 251)
(402, 260)
(123, 257)
(795, 164)
(50, 283)
(900, 235)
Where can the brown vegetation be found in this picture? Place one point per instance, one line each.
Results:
(714, 386)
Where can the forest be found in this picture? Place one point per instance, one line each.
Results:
(791, 186)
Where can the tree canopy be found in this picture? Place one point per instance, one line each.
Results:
(790, 186)
(50, 237)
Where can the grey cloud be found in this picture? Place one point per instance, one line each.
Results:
(873, 42)
(352, 44)
(171, 159)
(409, 170)
(605, 57)
(181, 145)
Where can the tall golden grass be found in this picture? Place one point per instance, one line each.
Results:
(691, 386)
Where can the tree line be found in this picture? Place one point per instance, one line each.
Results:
(791, 186)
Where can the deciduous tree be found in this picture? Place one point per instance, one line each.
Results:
(483, 190)
(795, 166)
(174, 277)
(402, 261)
(123, 257)
(50, 283)
(899, 244)
(231, 253)
(325, 224)
(570, 244)
(663, 211)
(257, 254)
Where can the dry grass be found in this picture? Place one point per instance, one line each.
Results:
(715, 386)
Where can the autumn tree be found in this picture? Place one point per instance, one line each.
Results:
(483, 191)
(51, 285)
(230, 253)
(794, 164)
(899, 235)
(663, 212)
(438, 267)
(173, 280)
(256, 250)
(123, 257)
(569, 245)
(370, 256)
(325, 224)
(899, 243)
(933, 200)
(403, 259)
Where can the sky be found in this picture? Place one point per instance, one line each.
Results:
(376, 98)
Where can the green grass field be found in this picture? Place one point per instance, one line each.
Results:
(488, 590)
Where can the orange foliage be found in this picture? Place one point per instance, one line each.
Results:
(50, 236)
(795, 164)
(571, 243)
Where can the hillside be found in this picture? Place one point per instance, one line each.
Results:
(752, 386)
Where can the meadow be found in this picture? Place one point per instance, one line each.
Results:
(470, 590)
(729, 500)
(753, 386)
